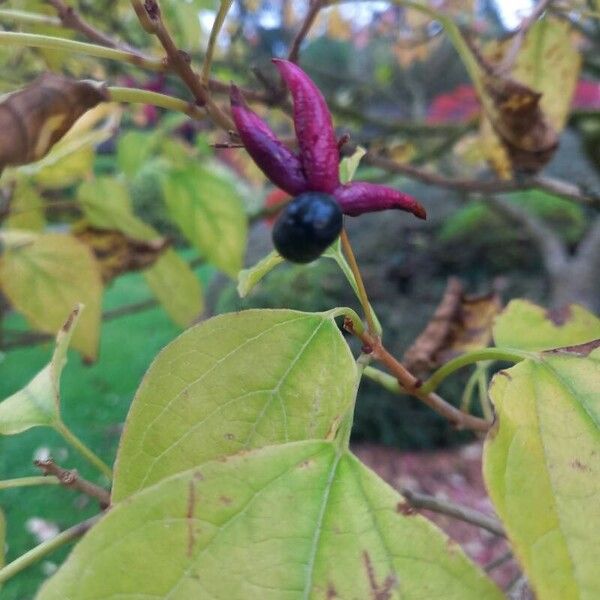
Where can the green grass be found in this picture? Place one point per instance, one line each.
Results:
(95, 401)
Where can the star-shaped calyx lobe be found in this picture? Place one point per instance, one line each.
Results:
(316, 167)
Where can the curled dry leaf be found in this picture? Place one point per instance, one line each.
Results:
(528, 106)
(33, 119)
(517, 118)
(460, 323)
(117, 253)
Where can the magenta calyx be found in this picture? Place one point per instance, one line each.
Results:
(316, 167)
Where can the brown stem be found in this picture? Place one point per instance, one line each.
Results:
(71, 19)
(309, 19)
(411, 384)
(451, 509)
(72, 480)
(179, 61)
(498, 562)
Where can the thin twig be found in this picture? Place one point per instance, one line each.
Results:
(32, 40)
(562, 189)
(135, 95)
(309, 19)
(71, 19)
(412, 384)
(71, 479)
(39, 552)
(498, 562)
(212, 40)
(150, 17)
(29, 18)
(9, 484)
(360, 286)
(372, 345)
(451, 509)
(519, 37)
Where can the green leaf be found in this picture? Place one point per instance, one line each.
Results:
(106, 204)
(26, 208)
(234, 382)
(38, 403)
(249, 278)
(134, 148)
(525, 326)
(542, 467)
(288, 522)
(176, 287)
(207, 208)
(349, 165)
(2, 539)
(44, 279)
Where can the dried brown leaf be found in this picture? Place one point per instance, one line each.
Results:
(34, 118)
(117, 253)
(517, 118)
(460, 324)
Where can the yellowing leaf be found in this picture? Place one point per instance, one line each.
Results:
(525, 326)
(44, 279)
(549, 62)
(542, 467)
(530, 107)
(207, 208)
(26, 208)
(176, 287)
(349, 165)
(297, 521)
(38, 403)
(494, 151)
(237, 381)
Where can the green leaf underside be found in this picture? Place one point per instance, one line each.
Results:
(209, 212)
(176, 287)
(44, 280)
(542, 470)
(38, 403)
(288, 522)
(249, 278)
(106, 205)
(525, 326)
(234, 382)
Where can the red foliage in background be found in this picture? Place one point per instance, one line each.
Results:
(462, 104)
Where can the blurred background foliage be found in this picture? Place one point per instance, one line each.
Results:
(393, 80)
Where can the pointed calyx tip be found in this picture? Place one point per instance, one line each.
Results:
(420, 212)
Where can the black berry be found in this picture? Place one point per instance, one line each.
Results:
(307, 226)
